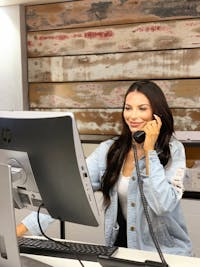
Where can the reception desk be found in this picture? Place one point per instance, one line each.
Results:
(131, 254)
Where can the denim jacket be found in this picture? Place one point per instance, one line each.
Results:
(163, 189)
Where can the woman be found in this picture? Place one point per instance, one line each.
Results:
(162, 167)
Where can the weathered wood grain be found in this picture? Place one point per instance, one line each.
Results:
(88, 52)
(192, 153)
(179, 94)
(186, 119)
(108, 121)
(93, 13)
(118, 38)
(77, 95)
(120, 66)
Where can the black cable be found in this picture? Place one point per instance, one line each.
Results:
(145, 205)
(62, 229)
(56, 241)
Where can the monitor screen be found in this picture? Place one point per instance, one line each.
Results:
(48, 165)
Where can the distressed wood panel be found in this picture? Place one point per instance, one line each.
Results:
(120, 66)
(186, 119)
(108, 121)
(93, 13)
(71, 39)
(192, 153)
(179, 94)
(77, 95)
(120, 38)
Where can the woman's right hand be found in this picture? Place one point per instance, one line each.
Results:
(152, 130)
(21, 229)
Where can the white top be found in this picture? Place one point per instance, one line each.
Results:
(123, 192)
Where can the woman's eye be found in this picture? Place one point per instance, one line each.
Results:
(143, 109)
(127, 108)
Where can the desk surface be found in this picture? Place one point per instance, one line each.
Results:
(131, 254)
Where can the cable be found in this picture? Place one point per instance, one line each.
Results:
(51, 239)
(62, 229)
(145, 205)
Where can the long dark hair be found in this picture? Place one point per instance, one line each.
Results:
(122, 145)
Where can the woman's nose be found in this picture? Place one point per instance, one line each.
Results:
(134, 114)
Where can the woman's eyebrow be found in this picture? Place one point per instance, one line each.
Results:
(126, 104)
(144, 104)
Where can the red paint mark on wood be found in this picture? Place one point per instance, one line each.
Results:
(59, 37)
(77, 35)
(103, 34)
(192, 23)
(153, 28)
(89, 35)
(30, 43)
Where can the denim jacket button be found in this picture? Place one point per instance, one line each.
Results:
(132, 204)
(133, 178)
(132, 228)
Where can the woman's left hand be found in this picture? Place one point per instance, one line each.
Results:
(152, 130)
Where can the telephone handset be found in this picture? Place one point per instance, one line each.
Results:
(139, 136)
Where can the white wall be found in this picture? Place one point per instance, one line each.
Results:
(13, 67)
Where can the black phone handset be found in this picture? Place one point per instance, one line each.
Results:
(139, 136)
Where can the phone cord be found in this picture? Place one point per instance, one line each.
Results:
(145, 206)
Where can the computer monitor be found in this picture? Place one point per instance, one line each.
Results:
(48, 165)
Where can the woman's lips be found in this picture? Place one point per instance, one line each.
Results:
(135, 125)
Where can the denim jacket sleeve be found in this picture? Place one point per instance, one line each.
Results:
(31, 223)
(96, 163)
(163, 188)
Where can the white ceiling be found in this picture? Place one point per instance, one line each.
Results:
(26, 2)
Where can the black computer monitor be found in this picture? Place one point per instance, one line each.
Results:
(48, 165)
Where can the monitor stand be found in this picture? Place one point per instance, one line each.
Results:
(9, 252)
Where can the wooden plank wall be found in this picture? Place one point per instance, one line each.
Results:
(83, 55)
